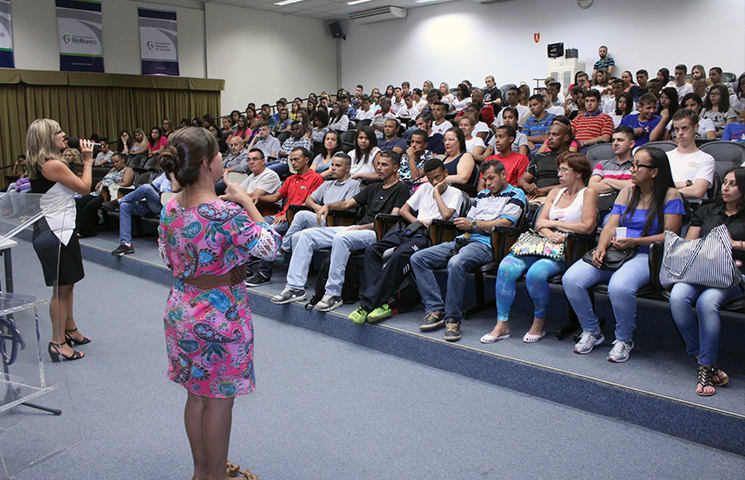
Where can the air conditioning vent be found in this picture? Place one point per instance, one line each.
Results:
(378, 15)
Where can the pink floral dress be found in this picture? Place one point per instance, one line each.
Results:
(209, 333)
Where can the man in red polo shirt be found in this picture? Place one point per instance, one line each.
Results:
(296, 189)
(594, 126)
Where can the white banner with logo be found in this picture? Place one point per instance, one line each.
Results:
(80, 35)
(6, 36)
(158, 41)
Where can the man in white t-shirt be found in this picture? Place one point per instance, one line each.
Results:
(547, 105)
(679, 83)
(440, 125)
(365, 112)
(262, 181)
(616, 87)
(378, 123)
(432, 200)
(692, 169)
(397, 102)
(523, 112)
(409, 111)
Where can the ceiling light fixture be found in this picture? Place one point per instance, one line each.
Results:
(287, 2)
(424, 1)
(355, 2)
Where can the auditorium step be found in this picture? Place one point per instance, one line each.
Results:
(655, 389)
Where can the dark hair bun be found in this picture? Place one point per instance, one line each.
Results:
(169, 160)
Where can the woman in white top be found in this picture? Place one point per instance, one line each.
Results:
(331, 146)
(365, 155)
(717, 109)
(624, 106)
(706, 127)
(474, 145)
(447, 97)
(463, 99)
(481, 129)
(54, 240)
(339, 121)
(571, 208)
(737, 101)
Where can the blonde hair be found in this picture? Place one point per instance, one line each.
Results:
(76, 158)
(40, 145)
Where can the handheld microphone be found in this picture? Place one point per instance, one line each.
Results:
(73, 142)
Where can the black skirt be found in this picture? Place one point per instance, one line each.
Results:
(53, 254)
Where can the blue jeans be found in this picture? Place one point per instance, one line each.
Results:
(132, 204)
(279, 166)
(424, 261)
(539, 271)
(342, 242)
(622, 287)
(266, 267)
(701, 337)
(301, 221)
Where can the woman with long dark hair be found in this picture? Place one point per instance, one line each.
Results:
(365, 154)
(331, 146)
(242, 130)
(648, 208)
(624, 106)
(696, 308)
(156, 142)
(252, 120)
(668, 101)
(463, 98)
(209, 333)
(58, 248)
(717, 108)
(338, 120)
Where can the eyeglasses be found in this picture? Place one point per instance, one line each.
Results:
(564, 169)
(636, 166)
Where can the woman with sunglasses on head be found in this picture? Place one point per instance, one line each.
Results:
(572, 208)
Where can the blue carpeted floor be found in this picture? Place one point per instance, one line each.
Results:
(324, 409)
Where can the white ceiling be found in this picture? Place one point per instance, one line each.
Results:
(322, 9)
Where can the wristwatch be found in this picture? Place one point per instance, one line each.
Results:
(688, 183)
(474, 225)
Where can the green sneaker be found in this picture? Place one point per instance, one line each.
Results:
(359, 315)
(380, 313)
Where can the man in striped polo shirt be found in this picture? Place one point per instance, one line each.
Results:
(594, 126)
(610, 176)
(499, 204)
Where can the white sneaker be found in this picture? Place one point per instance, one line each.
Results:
(587, 342)
(620, 351)
(289, 295)
(328, 303)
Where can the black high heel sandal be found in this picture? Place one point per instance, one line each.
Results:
(71, 341)
(58, 356)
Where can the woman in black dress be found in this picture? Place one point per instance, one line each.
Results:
(54, 241)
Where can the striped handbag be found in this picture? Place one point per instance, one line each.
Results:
(704, 261)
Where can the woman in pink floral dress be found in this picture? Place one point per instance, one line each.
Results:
(206, 241)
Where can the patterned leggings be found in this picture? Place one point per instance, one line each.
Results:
(539, 271)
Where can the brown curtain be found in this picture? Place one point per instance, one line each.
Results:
(105, 104)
